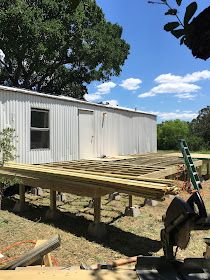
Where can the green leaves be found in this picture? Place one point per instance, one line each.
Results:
(51, 47)
(178, 33)
(7, 148)
(171, 26)
(190, 11)
(171, 12)
(179, 2)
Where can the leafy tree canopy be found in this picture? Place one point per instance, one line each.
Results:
(169, 132)
(192, 31)
(196, 132)
(201, 125)
(58, 46)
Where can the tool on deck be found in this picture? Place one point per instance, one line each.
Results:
(180, 219)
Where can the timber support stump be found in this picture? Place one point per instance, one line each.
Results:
(131, 210)
(96, 228)
(200, 171)
(207, 168)
(52, 211)
(20, 205)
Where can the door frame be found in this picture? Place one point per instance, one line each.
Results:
(86, 110)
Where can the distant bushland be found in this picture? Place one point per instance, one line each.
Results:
(196, 132)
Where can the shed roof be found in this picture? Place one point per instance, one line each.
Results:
(69, 99)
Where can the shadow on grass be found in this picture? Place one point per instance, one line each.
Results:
(117, 239)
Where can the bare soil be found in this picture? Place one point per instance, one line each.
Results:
(127, 236)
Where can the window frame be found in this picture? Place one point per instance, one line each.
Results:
(39, 128)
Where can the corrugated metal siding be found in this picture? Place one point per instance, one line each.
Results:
(116, 132)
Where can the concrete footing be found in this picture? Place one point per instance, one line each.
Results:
(150, 202)
(37, 191)
(132, 211)
(114, 196)
(97, 230)
(91, 203)
(61, 197)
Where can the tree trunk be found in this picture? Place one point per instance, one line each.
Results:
(0, 200)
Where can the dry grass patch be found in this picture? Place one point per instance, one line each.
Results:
(127, 236)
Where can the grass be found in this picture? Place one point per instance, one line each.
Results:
(127, 236)
(178, 151)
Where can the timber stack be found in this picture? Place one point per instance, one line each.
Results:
(88, 183)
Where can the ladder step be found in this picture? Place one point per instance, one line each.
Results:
(190, 165)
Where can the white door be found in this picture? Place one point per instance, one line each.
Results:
(86, 134)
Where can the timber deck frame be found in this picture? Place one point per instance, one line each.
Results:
(139, 176)
(149, 165)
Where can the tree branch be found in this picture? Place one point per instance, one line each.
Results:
(179, 20)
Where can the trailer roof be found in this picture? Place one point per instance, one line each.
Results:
(69, 99)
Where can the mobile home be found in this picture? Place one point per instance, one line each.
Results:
(57, 128)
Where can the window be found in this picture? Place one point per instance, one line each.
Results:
(40, 131)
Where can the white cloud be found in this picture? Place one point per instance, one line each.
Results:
(186, 96)
(183, 115)
(146, 94)
(105, 87)
(181, 86)
(92, 97)
(112, 102)
(102, 89)
(131, 84)
(175, 88)
(189, 78)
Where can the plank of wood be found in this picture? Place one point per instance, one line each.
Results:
(47, 261)
(122, 274)
(35, 254)
(69, 181)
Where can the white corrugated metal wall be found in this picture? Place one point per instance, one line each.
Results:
(116, 131)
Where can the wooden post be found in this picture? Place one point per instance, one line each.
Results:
(200, 171)
(22, 197)
(130, 201)
(51, 212)
(207, 167)
(97, 209)
(52, 201)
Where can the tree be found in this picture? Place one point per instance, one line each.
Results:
(169, 132)
(201, 126)
(58, 46)
(192, 32)
(7, 153)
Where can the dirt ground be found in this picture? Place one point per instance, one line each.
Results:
(127, 236)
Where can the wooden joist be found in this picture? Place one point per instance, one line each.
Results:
(93, 184)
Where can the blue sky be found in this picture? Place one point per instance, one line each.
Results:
(159, 76)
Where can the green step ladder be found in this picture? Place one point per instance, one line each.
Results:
(195, 180)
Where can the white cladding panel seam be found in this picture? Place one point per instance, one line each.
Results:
(116, 132)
